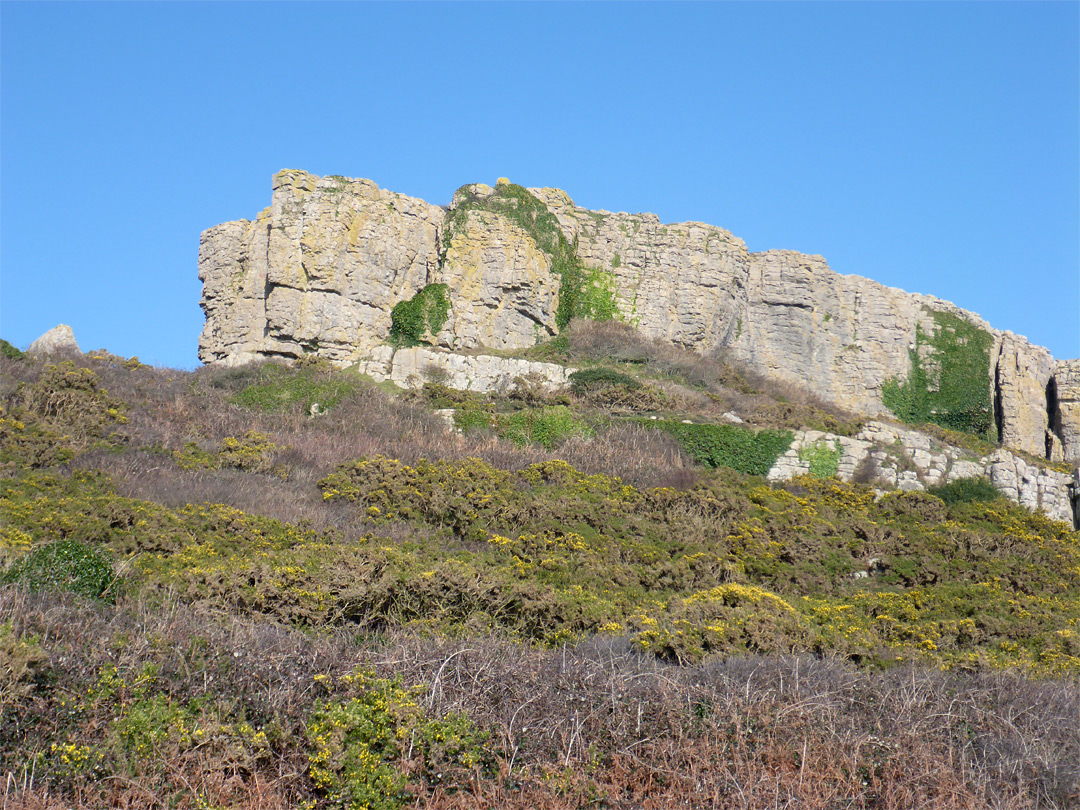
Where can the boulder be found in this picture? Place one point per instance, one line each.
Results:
(58, 339)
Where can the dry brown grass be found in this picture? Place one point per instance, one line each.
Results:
(707, 385)
(594, 724)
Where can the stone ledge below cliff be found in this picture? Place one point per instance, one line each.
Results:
(483, 373)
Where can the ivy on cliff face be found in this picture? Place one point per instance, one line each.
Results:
(584, 292)
(423, 314)
(949, 383)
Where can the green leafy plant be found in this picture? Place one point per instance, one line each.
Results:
(731, 446)
(949, 383)
(823, 457)
(548, 426)
(420, 317)
(66, 565)
(274, 387)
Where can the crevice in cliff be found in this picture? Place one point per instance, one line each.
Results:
(1074, 498)
(999, 408)
(1053, 418)
(266, 284)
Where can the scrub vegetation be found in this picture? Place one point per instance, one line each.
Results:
(211, 598)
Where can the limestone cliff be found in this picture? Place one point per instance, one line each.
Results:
(322, 269)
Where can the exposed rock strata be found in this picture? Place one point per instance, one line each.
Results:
(483, 373)
(1063, 395)
(907, 460)
(502, 291)
(321, 270)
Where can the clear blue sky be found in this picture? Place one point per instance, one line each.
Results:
(928, 146)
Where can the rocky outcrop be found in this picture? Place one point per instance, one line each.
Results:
(894, 458)
(1022, 373)
(1063, 398)
(483, 373)
(317, 272)
(58, 339)
(502, 291)
(322, 269)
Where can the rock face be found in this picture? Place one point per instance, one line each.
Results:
(502, 291)
(483, 373)
(894, 458)
(1063, 395)
(322, 268)
(318, 271)
(58, 339)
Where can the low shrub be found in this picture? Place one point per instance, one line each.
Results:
(547, 427)
(275, 387)
(731, 446)
(965, 490)
(10, 352)
(65, 565)
(823, 458)
(68, 401)
(593, 379)
(360, 747)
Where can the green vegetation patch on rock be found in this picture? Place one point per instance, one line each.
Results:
(949, 383)
(421, 317)
(823, 457)
(583, 292)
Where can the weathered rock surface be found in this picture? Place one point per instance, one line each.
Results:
(322, 268)
(1064, 404)
(502, 291)
(319, 271)
(483, 373)
(58, 339)
(1022, 374)
(895, 458)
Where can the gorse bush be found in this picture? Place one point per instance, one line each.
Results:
(416, 617)
(615, 391)
(68, 402)
(591, 379)
(966, 490)
(10, 352)
(359, 746)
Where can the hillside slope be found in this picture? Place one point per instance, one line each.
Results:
(273, 586)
